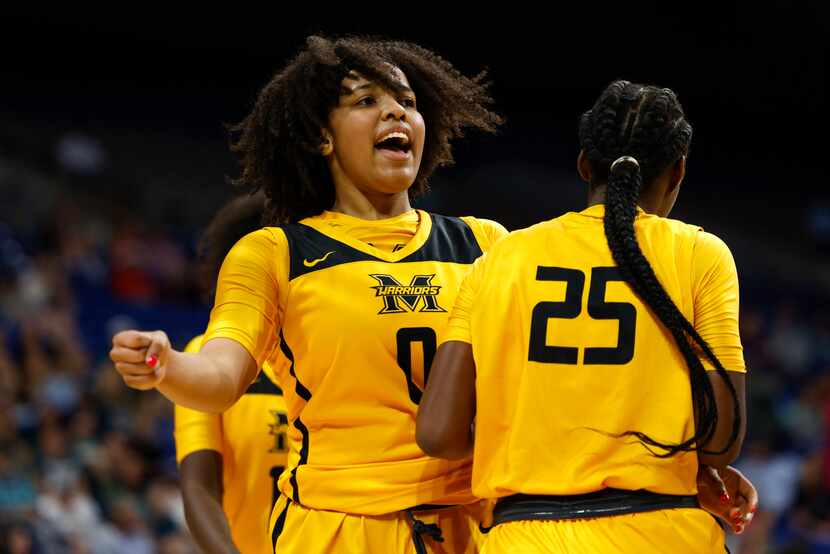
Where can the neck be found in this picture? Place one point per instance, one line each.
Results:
(649, 204)
(370, 204)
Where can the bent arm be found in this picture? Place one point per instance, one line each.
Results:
(448, 406)
(726, 420)
(210, 380)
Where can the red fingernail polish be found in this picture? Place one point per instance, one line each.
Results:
(739, 529)
(152, 361)
(724, 498)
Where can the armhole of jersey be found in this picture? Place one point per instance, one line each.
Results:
(478, 232)
(283, 271)
(282, 274)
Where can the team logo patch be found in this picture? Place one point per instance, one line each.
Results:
(398, 298)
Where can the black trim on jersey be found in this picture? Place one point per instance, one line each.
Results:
(305, 394)
(263, 385)
(310, 250)
(450, 240)
(301, 391)
(303, 458)
(278, 526)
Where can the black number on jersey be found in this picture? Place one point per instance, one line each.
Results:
(429, 342)
(275, 473)
(598, 308)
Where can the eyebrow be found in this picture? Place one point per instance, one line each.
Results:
(346, 91)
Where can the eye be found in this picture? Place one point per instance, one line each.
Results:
(366, 101)
(408, 102)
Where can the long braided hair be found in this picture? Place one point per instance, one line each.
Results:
(632, 134)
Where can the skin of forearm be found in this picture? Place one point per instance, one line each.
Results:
(199, 382)
(202, 493)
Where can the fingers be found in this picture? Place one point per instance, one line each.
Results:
(747, 491)
(709, 482)
(134, 370)
(746, 502)
(128, 355)
(718, 485)
(131, 339)
(139, 357)
(140, 382)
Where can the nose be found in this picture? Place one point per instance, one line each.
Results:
(392, 109)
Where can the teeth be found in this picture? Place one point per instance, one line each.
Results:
(396, 134)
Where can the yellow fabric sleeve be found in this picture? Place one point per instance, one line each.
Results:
(458, 327)
(247, 303)
(716, 301)
(486, 231)
(194, 430)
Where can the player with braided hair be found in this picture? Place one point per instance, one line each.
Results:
(623, 325)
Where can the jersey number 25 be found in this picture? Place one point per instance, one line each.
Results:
(598, 308)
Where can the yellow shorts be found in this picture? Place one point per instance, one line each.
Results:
(295, 529)
(676, 531)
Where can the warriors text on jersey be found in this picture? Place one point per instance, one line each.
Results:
(566, 355)
(252, 438)
(349, 313)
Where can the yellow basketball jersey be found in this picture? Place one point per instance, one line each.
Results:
(355, 327)
(252, 438)
(566, 355)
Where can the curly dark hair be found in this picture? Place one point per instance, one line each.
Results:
(237, 218)
(648, 124)
(278, 143)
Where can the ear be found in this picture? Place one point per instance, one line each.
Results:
(583, 167)
(677, 174)
(327, 144)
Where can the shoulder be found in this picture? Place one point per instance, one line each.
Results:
(710, 246)
(533, 233)
(265, 238)
(262, 245)
(486, 231)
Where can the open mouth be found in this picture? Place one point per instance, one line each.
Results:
(395, 142)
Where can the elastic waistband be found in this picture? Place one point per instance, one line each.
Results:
(604, 503)
(429, 507)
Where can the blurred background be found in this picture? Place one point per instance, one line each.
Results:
(113, 158)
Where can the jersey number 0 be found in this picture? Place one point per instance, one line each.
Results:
(404, 338)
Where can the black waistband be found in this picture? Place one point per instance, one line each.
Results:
(430, 507)
(604, 503)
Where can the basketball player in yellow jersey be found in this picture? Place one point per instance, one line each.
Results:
(347, 299)
(573, 343)
(227, 460)
(249, 443)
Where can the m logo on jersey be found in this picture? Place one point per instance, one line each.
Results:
(278, 430)
(398, 298)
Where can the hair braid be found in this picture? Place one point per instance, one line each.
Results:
(648, 124)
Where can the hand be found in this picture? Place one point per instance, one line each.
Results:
(728, 495)
(140, 357)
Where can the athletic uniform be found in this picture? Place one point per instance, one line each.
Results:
(567, 356)
(349, 312)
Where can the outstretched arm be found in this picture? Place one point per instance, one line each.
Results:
(210, 380)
